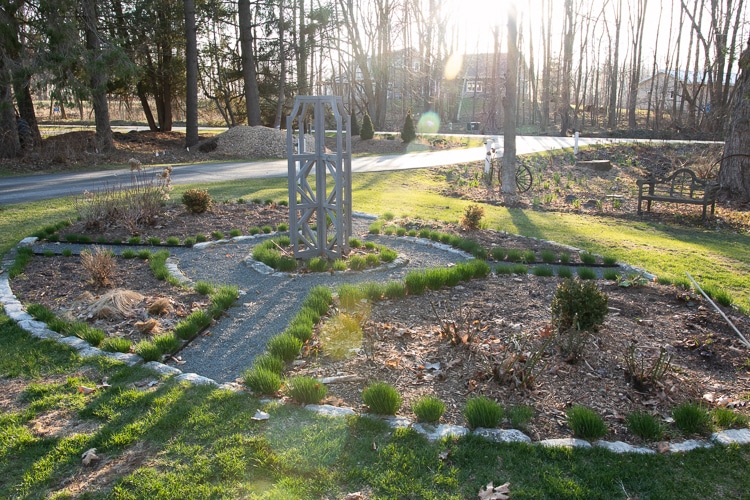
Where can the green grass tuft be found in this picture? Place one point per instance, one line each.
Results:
(586, 423)
(382, 398)
(481, 411)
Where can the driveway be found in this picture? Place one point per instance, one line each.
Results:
(24, 189)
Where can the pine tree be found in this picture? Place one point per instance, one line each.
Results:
(367, 131)
(408, 134)
(355, 125)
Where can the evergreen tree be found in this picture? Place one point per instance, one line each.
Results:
(367, 131)
(408, 134)
(355, 125)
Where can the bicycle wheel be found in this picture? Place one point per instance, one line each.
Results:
(523, 178)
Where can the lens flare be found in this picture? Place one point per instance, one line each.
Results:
(428, 123)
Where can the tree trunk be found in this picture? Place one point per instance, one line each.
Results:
(282, 69)
(546, 93)
(10, 145)
(565, 119)
(98, 78)
(191, 75)
(635, 66)
(734, 175)
(252, 96)
(509, 132)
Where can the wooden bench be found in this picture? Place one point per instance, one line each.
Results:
(681, 187)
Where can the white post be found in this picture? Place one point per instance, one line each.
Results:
(575, 146)
(488, 156)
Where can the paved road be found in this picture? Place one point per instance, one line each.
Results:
(25, 189)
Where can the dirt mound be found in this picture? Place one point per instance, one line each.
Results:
(247, 142)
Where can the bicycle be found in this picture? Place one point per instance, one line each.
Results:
(524, 179)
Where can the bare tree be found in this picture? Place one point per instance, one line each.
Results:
(734, 175)
(569, 34)
(191, 67)
(509, 131)
(612, 112)
(97, 76)
(637, 21)
(252, 95)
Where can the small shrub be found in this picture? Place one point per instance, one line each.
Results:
(435, 235)
(387, 255)
(719, 295)
(372, 259)
(234, 233)
(357, 263)
(266, 229)
(201, 238)
(519, 416)
(504, 269)
(40, 312)
(565, 258)
(369, 245)
(724, 418)
(217, 235)
(186, 330)
(388, 216)
(143, 254)
(262, 381)
(287, 264)
(472, 218)
(389, 231)
(428, 408)
(514, 255)
(339, 265)
(586, 423)
(401, 231)
(609, 260)
(189, 242)
(222, 299)
(306, 390)
(382, 398)
(301, 331)
(519, 269)
(67, 252)
(284, 346)
(529, 256)
(253, 231)
(375, 227)
(578, 304)
(548, 256)
(691, 418)
(408, 132)
(564, 272)
(196, 201)
(644, 425)
(412, 233)
(424, 233)
(115, 344)
(640, 376)
(167, 343)
(203, 287)
(73, 238)
(610, 274)
(268, 361)
(498, 254)
(49, 253)
(366, 131)
(588, 258)
(416, 282)
(148, 351)
(394, 290)
(317, 264)
(101, 240)
(153, 241)
(281, 227)
(173, 240)
(355, 243)
(100, 264)
(586, 273)
(543, 271)
(481, 411)
(371, 290)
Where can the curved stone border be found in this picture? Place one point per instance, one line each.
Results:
(38, 329)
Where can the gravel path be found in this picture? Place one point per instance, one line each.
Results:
(268, 302)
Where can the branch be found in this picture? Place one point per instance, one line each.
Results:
(742, 337)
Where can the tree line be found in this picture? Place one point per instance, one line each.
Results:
(580, 63)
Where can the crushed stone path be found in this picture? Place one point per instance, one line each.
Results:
(268, 302)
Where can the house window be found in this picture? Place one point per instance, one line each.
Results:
(415, 66)
(474, 86)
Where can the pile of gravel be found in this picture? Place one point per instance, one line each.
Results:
(248, 142)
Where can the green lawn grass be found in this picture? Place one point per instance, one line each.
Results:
(201, 442)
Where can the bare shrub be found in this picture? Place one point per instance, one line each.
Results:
(100, 264)
(135, 205)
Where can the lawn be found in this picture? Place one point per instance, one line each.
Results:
(158, 438)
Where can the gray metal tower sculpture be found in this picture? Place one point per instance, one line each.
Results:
(320, 213)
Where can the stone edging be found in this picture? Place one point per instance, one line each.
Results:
(38, 329)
